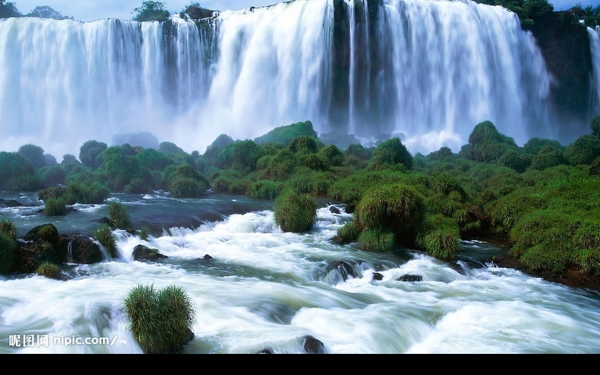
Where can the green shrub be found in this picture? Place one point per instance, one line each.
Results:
(8, 248)
(282, 165)
(104, 235)
(54, 175)
(264, 189)
(349, 232)
(151, 11)
(154, 160)
(187, 182)
(119, 215)
(549, 156)
(295, 212)
(391, 152)
(439, 236)
(33, 153)
(144, 233)
(160, 320)
(284, 135)
(395, 206)
(89, 151)
(48, 269)
(377, 239)
(332, 155)
(9, 228)
(55, 207)
(584, 150)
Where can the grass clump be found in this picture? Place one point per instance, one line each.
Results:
(295, 212)
(8, 248)
(104, 235)
(119, 215)
(55, 207)
(439, 237)
(160, 320)
(48, 269)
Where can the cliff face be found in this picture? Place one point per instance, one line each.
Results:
(565, 46)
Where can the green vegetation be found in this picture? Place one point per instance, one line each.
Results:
(8, 246)
(151, 11)
(55, 207)
(48, 269)
(119, 215)
(541, 198)
(104, 235)
(295, 212)
(160, 320)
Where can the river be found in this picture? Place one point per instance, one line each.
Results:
(265, 289)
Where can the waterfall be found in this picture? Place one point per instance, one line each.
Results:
(595, 87)
(426, 70)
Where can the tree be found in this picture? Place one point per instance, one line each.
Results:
(151, 11)
(33, 153)
(8, 10)
(44, 11)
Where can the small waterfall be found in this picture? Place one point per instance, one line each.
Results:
(106, 257)
(595, 87)
(70, 252)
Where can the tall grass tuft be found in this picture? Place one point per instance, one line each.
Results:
(55, 207)
(119, 215)
(48, 269)
(295, 212)
(160, 320)
(104, 235)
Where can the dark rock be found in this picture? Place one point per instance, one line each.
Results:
(410, 278)
(78, 249)
(141, 252)
(207, 257)
(10, 203)
(265, 351)
(334, 210)
(476, 213)
(44, 232)
(377, 276)
(31, 254)
(313, 346)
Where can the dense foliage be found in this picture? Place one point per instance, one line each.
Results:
(151, 11)
(160, 319)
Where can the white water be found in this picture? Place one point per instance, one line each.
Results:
(595, 48)
(269, 289)
(441, 68)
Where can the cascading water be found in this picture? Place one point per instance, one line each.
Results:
(430, 70)
(595, 49)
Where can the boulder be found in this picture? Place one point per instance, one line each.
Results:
(141, 252)
(78, 249)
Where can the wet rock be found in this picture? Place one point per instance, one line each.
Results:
(141, 252)
(78, 249)
(410, 278)
(313, 346)
(377, 276)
